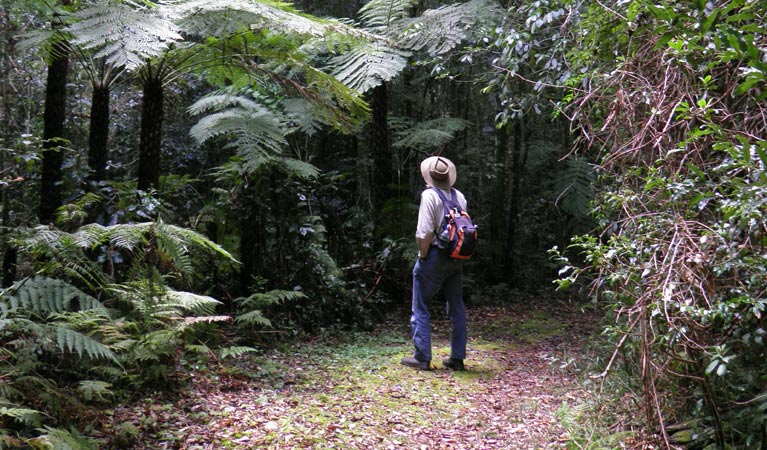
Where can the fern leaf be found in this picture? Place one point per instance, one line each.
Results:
(439, 30)
(297, 168)
(236, 351)
(71, 340)
(43, 295)
(189, 302)
(431, 134)
(368, 65)
(253, 127)
(94, 389)
(252, 318)
(25, 416)
(575, 187)
(204, 16)
(378, 15)
(204, 319)
(186, 237)
(66, 439)
(123, 35)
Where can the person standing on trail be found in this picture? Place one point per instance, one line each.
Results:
(435, 269)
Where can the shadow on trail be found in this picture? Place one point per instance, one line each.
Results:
(350, 392)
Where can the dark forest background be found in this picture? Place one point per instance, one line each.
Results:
(207, 177)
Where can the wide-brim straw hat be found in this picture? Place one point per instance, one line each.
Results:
(439, 172)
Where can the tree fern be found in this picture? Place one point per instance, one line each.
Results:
(368, 65)
(121, 34)
(575, 187)
(94, 389)
(252, 126)
(378, 15)
(439, 30)
(431, 134)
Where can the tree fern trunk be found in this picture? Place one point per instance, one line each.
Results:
(380, 148)
(152, 116)
(98, 153)
(53, 130)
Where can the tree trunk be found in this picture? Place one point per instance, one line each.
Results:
(515, 178)
(151, 134)
(98, 153)
(499, 204)
(380, 148)
(53, 131)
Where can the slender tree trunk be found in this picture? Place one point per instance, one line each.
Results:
(53, 130)
(382, 177)
(98, 153)
(150, 145)
(499, 205)
(515, 178)
(10, 253)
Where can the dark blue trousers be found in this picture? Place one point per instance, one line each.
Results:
(435, 271)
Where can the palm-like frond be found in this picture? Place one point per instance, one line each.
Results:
(123, 35)
(252, 126)
(431, 134)
(439, 30)
(189, 303)
(378, 15)
(368, 65)
(206, 16)
(575, 187)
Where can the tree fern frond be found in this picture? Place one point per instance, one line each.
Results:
(431, 134)
(273, 297)
(220, 101)
(575, 187)
(297, 168)
(378, 15)
(188, 321)
(202, 16)
(253, 127)
(67, 339)
(439, 30)
(368, 65)
(128, 236)
(123, 35)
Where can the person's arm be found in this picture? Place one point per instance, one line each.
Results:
(423, 244)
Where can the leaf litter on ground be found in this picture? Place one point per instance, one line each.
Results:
(350, 391)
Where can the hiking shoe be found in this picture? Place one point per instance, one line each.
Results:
(453, 364)
(418, 364)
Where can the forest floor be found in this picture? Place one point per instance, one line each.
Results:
(520, 390)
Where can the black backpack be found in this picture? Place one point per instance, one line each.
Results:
(458, 234)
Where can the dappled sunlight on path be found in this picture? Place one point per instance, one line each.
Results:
(354, 394)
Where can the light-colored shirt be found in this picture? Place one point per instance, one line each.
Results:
(432, 210)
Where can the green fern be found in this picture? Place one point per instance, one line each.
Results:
(575, 187)
(235, 351)
(368, 65)
(43, 295)
(379, 15)
(431, 134)
(25, 416)
(59, 439)
(94, 389)
(68, 339)
(252, 305)
(121, 34)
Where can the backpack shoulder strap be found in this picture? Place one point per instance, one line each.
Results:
(448, 203)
